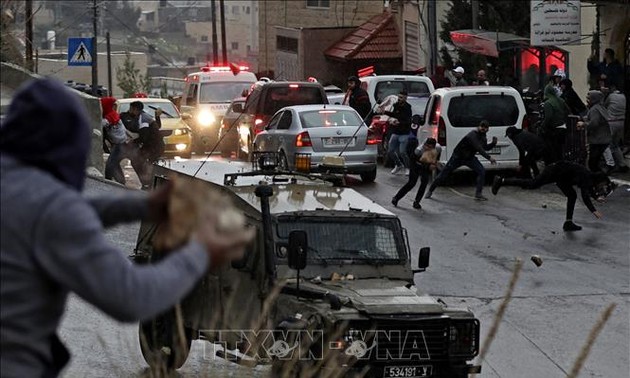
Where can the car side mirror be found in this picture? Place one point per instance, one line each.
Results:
(237, 108)
(186, 116)
(423, 259)
(298, 246)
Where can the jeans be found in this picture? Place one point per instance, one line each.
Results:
(112, 165)
(397, 149)
(457, 161)
(616, 128)
(416, 171)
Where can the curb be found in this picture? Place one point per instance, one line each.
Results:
(620, 182)
(95, 174)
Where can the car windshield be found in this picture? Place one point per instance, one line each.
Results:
(468, 111)
(347, 238)
(394, 87)
(279, 97)
(322, 118)
(221, 92)
(168, 108)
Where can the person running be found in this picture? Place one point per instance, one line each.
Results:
(357, 98)
(399, 127)
(566, 175)
(464, 154)
(553, 126)
(425, 162)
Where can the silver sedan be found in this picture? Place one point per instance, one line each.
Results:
(321, 138)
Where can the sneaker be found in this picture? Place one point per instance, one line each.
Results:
(416, 205)
(570, 226)
(496, 184)
(480, 197)
(428, 195)
(406, 171)
(396, 169)
(395, 201)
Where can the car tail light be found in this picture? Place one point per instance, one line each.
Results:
(303, 140)
(372, 139)
(441, 132)
(293, 86)
(258, 125)
(525, 125)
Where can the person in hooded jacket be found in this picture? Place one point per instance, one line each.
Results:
(553, 125)
(597, 129)
(52, 240)
(571, 98)
(115, 132)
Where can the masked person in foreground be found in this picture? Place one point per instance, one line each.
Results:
(52, 240)
(565, 175)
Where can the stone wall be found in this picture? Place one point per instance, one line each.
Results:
(13, 77)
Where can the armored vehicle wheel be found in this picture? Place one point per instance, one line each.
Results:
(163, 346)
(368, 176)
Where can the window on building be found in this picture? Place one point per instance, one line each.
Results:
(150, 17)
(247, 10)
(234, 45)
(318, 3)
(236, 10)
(204, 38)
(249, 48)
(287, 44)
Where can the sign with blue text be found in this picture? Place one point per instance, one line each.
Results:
(80, 51)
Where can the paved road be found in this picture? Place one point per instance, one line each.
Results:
(474, 246)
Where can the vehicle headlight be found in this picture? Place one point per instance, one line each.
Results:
(182, 131)
(205, 118)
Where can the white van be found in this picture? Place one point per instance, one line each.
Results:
(379, 87)
(206, 97)
(453, 112)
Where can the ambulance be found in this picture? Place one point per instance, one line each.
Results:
(207, 95)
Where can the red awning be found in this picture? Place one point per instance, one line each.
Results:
(486, 42)
(377, 38)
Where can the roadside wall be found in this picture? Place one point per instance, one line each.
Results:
(13, 76)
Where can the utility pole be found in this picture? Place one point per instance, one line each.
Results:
(94, 51)
(215, 42)
(433, 50)
(223, 36)
(475, 14)
(28, 16)
(110, 86)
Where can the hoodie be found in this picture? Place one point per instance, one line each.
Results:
(51, 135)
(107, 104)
(52, 240)
(597, 127)
(556, 111)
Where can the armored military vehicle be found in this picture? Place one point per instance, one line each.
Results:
(328, 285)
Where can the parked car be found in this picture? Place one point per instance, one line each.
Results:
(266, 99)
(228, 131)
(335, 94)
(321, 131)
(453, 112)
(177, 134)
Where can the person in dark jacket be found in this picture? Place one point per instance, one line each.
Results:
(52, 240)
(399, 129)
(566, 175)
(609, 67)
(553, 125)
(598, 131)
(571, 98)
(424, 162)
(464, 154)
(531, 149)
(357, 98)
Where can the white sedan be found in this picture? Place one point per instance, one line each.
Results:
(321, 138)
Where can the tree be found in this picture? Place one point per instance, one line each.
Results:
(129, 78)
(494, 15)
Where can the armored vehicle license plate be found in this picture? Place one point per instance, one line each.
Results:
(338, 141)
(415, 371)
